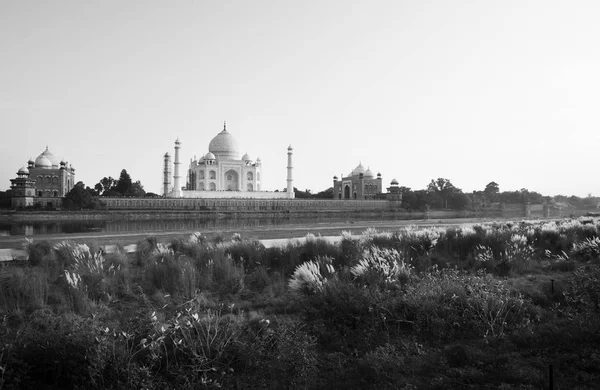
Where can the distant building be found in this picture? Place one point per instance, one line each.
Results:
(221, 173)
(44, 182)
(361, 184)
(394, 195)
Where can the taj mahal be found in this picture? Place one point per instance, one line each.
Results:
(220, 173)
(221, 179)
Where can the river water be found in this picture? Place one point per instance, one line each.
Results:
(42, 228)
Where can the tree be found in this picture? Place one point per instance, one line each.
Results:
(325, 194)
(301, 194)
(124, 184)
(460, 201)
(137, 190)
(442, 189)
(79, 198)
(491, 191)
(105, 185)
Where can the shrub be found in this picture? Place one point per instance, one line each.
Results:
(287, 258)
(228, 277)
(38, 252)
(306, 280)
(345, 316)
(516, 256)
(450, 303)
(164, 272)
(50, 352)
(198, 345)
(23, 289)
(144, 249)
(587, 250)
(258, 279)
(350, 249)
(248, 253)
(583, 293)
(381, 267)
(278, 354)
(416, 243)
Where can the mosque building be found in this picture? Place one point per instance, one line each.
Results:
(221, 173)
(360, 183)
(44, 181)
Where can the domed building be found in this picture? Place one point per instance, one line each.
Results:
(44, 181)
(360, 183)
(219, 173)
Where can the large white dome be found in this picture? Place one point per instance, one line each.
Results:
(358, 170)
(47, 157)
(224, 146)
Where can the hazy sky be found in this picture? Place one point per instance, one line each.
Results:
(473, 91)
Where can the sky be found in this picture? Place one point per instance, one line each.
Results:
(472, 91)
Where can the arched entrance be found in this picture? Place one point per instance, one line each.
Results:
(232, 180)
(347, 192)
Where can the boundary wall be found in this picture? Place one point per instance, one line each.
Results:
(192, 194)
(203, 204)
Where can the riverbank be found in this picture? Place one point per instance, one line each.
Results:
(287, 231)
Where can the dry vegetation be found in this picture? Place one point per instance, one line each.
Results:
(490, 305)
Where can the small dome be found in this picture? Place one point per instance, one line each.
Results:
(394, 182)
(209, 156)
(290, 148)
(23, 170)
(246, 157)
(43, 162)
(224, 145)
(369, 174)
(30, 162)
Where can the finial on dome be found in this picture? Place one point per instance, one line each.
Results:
(224, 125)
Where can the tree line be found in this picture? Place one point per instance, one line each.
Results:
(441, 194)
(83, 197)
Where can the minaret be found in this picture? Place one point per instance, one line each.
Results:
(177, 176)
(166, 174)
(290, 181)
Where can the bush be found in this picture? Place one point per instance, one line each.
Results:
(50, 352)
(583, 293)
(446, 304)
(278, 354)
(23, 289)
(39, 252)
(144, 249)
(587, 250)
(381, 267)
(346, 317)
(228, 277)
(164, 272)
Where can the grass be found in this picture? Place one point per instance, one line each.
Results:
(474, 306)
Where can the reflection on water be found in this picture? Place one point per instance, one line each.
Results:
(62, 227)
(50, 227)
